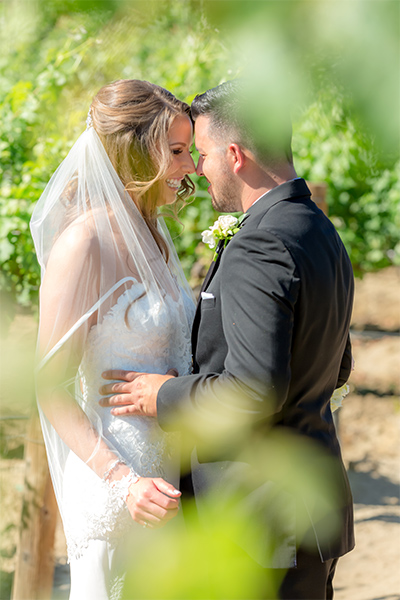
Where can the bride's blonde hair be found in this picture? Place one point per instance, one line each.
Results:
(133, 119)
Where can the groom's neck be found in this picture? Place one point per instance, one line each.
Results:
(258, 180)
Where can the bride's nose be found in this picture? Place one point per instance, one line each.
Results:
(189, 165)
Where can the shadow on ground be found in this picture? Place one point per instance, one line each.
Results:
(369, 488)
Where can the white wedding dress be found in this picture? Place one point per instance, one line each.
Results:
(134, 336)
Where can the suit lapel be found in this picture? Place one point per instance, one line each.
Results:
(211, 271)
(213, 267)
(210, 274)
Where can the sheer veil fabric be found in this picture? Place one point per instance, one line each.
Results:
(94, 248)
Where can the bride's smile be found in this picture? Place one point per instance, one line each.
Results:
(180, 140)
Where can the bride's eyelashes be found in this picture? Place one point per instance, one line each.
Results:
(178, 151)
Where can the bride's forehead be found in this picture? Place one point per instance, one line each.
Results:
(181, 130)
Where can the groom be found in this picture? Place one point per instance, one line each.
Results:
(271, 332)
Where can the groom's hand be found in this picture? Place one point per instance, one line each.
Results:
(132, 393)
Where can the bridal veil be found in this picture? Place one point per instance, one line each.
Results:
(93, 245)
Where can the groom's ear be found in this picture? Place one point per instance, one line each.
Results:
(236, 157)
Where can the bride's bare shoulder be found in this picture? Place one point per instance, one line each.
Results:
(78, 241)
(75, 251)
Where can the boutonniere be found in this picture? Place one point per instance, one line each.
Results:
(224, 228)
(338, 396)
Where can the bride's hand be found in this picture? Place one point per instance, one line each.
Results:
(152, 502)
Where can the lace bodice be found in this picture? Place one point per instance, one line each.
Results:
(138, 335)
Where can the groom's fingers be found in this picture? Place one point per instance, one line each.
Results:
(120, 375)
(172, 372)
(128, 376)
(115, 401)
(127, 409)
(112, 388)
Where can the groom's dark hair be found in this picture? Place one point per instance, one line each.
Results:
(218, 102)
(235, 115)
(221, 104)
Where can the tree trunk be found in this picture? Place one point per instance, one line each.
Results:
(33, 578)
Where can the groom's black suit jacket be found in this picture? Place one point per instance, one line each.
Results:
(274, 332)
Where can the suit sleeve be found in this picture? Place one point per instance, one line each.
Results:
(259, 288)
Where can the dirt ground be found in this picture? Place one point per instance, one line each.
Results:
(369, 430)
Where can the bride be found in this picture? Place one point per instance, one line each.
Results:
(112, 294)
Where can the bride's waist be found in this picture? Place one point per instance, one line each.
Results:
(117, 424)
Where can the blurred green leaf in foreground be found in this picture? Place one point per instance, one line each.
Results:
(336, 64)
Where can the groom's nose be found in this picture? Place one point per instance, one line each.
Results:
(199, 167)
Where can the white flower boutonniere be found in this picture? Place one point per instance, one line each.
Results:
(224, 228)
(338, 395)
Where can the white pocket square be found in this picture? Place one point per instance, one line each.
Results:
(206, 296)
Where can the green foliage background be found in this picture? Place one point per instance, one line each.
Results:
(56, 54)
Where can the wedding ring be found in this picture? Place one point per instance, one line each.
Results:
(145, 524)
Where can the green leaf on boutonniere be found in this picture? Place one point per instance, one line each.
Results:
(224, 228)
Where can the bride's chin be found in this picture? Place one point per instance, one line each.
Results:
(169, 198)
